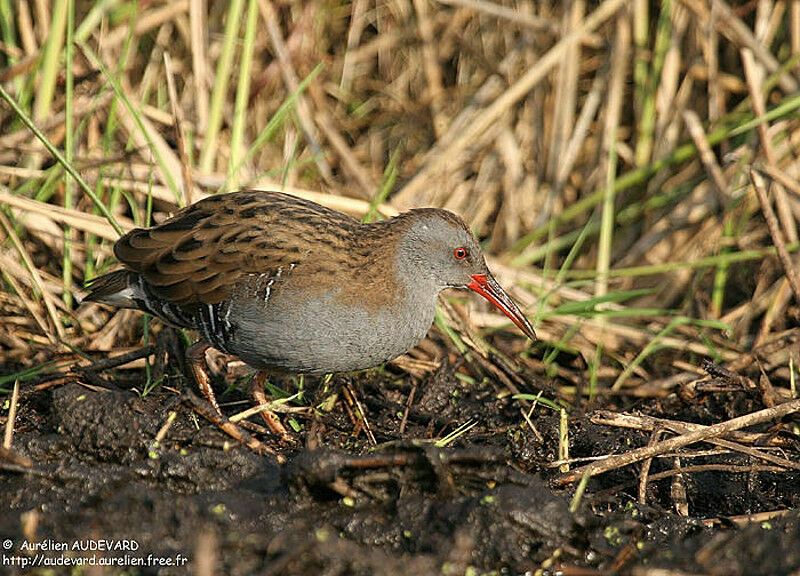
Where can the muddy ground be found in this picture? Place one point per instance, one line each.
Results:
(489, 501)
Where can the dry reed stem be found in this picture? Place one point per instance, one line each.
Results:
(451, 144)
(732, 27)
(504, 12)
(200, 75)
(30, 305)
(148, 21)
(566, 92)
(171, 170)
(782, 177)
(707, 157)
(430, 63)
(37, 280)
(92, 224)
(757, 102)
(303, 108)
(776, 233)
(349, 61)
(366, 188)
(490, 114)
(177, 114)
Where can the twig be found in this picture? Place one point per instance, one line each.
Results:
(651, 423)
(12, 416)
(409, 402)
(745, 519)
(10, 460)
(713, 431)
(677, 490)
(162, 432)
(361, 412)
(729, 468)
(108, 363)
(529, 422)
(645, 471)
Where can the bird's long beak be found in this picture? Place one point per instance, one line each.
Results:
(487, 286)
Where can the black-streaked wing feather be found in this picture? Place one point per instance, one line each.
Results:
(199, 255)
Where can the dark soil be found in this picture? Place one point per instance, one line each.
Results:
(486, 502)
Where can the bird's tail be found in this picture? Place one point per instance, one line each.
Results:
(120, 288)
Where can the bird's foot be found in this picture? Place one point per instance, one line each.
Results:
(231, 429)
(195, 355)
(270, 418)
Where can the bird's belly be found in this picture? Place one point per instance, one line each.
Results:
(323, 337)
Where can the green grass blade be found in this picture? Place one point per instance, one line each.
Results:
(242, 95)
(647, 120)
(387, 183)
(651, 347)
(48, 69)
(69, 144)
(61, 160)
(93, 19)
(640, 175)
(137, 116)
(721, 259)
(220, 90)
(275, 122)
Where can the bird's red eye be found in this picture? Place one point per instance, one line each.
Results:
(460, 253)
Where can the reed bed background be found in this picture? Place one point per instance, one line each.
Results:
(630, 165)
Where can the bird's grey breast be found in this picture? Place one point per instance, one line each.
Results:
(321, 334)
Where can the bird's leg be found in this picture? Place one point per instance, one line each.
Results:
(270, 418)
(196, 356)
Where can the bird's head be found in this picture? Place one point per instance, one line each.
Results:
(439, 251)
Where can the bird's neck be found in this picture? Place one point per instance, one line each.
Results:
(384, 269)
(412, 259)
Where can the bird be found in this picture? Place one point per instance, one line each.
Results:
(290, 286)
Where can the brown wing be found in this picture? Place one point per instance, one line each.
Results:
(200, 254)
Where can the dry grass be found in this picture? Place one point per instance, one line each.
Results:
(603, 151)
